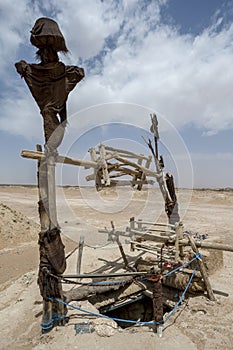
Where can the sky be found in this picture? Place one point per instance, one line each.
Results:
(169, 57)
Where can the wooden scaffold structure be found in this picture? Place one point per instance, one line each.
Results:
(173, 249)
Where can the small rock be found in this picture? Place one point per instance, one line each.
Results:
(105, 327)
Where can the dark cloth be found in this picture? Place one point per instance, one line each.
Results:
(50, 85)
(171, 208)
(46, 32)
(52, 259)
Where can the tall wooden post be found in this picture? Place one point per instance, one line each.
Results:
(104, 164)
(51, 190)
(44, 223)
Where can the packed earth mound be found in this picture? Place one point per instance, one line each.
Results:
(15, 227)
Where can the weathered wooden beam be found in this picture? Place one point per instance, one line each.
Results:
(50, 159)
(209, 245)
(155, 223)
(152, 237)
(80, 253)
(115, 167)
(137, 166)
(107, 275)
(42, 182)
(59, 159)
(83, 292)
(179, 236)
(103, 164)
(202, 270)
(126, 153)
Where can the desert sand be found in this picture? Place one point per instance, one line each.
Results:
(197, 324)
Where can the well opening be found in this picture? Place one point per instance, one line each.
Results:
(136, 309)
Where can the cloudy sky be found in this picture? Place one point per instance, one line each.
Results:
(172, 57)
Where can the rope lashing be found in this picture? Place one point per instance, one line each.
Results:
(150, 323)
(131, 321)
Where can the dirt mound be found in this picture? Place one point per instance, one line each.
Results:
(15, 227)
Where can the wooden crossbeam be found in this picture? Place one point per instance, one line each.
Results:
(59, 159)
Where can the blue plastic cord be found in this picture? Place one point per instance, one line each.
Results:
(104, 316)
(181, 297)
(197, 256)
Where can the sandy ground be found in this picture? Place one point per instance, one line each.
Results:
(198, 324)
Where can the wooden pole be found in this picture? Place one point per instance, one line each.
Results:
(179, 235)
(42, 182)
(103, 164)
(137, 166)
(59, 159)
(44, 223)
(209, 245)
(202, 270)
(143, 175)
(52, 191)
(80, 253)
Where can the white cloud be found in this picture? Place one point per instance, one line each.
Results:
(131, 56)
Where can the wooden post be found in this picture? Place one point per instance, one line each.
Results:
(179, 235)
(103, 164)
(139, 224)
(52, 191)
(132, 223)
(94, 158)
(143, 175)
(202, 270)
(136, 176)
(157, 302)
(44, 223)
(42, 182)
(80, 253)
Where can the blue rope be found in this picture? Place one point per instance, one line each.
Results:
(197, 256)
(182, 296)
(46, 326)
(104, 316)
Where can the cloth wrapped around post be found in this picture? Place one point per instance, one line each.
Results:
(52, 260)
